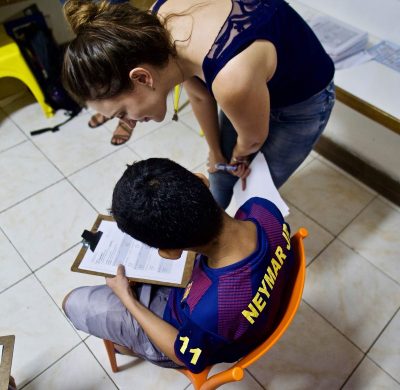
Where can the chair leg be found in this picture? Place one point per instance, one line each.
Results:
(196, 379)
(111, 355)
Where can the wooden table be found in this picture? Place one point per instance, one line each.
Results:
(373, 90)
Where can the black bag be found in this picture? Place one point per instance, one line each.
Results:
(43, 56)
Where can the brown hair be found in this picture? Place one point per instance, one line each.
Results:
(111, 39)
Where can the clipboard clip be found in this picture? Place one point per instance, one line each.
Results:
(91, 239)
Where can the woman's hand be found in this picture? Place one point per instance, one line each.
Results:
(243, 170)
(214, 158)
(120, 285)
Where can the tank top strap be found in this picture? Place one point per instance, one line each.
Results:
(239, 30)
(157, 6)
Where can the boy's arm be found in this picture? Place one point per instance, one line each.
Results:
(160, 332)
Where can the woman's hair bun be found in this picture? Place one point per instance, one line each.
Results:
(80, 13)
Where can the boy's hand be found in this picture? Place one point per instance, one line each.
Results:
(120, 286)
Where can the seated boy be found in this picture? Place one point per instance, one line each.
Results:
(241, 274)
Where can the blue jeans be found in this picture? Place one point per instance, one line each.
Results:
(293, 131)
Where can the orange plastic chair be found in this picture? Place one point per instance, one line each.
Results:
(201, 381)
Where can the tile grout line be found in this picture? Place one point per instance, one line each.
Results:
(21, 257)
(15, 283)
(366, 357)
(320, 226)
(13, 146)
(333, 326)
(357, 215)
(255, 378)
(367, 260)
(353, 371)
(66, 177)
(335, 236)
(99, 363)
(81, 168)
(83, 196)
(30, 139)
(341, 171)
(32, 195)
(149, 132)
(55, 257)
(33, 271)
(384, 328)
(378, 365)
(320, 252)
(347, 338)
(51, 365)
(96, 161)
(291, 204)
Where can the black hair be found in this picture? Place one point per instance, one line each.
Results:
(164, 205)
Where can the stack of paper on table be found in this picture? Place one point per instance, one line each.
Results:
(259, 184)
(387, 53)
(339, 39)
(142, 263)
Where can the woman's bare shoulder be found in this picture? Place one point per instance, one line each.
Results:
(254, 66)
(194, 24)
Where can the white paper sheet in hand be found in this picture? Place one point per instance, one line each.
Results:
(259, 183)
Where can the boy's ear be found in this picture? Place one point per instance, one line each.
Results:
(141, 76)
(203, 179)
(172, 254)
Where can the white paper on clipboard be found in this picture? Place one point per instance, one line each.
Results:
(259, 184)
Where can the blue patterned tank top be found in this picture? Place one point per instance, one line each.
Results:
(303, 67)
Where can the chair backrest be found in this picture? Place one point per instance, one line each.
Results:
(236, 373)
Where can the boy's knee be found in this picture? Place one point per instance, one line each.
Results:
(70, 304)
(64, 302)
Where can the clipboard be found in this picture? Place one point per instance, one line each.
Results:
(90, 241)
(5, 366)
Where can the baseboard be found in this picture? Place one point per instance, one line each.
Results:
(360, 169)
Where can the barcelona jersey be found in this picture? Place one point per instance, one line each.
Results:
(224, 313)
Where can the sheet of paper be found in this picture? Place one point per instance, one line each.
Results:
(259, 183)
(140, 261)
(1, 353)
(339, 39)
(356, 59)
(387, 53)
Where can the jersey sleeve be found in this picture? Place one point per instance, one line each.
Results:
(197, 348)
(247, 209)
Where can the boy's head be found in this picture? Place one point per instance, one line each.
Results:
(162, 204)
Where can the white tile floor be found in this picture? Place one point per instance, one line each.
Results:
(346, 333)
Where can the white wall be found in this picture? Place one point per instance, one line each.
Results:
(51, 9)
(363, 137)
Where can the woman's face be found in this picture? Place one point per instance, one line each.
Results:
(141, 104)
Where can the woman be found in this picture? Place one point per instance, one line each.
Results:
(257, 59)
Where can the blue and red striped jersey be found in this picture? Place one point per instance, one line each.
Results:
(226, 312)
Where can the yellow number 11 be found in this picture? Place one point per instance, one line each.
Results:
(195, 351)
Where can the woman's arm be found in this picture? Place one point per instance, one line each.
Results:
(205, 109)
(241, 91)
(160, 332)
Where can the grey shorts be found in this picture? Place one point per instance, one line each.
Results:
(98, 311)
